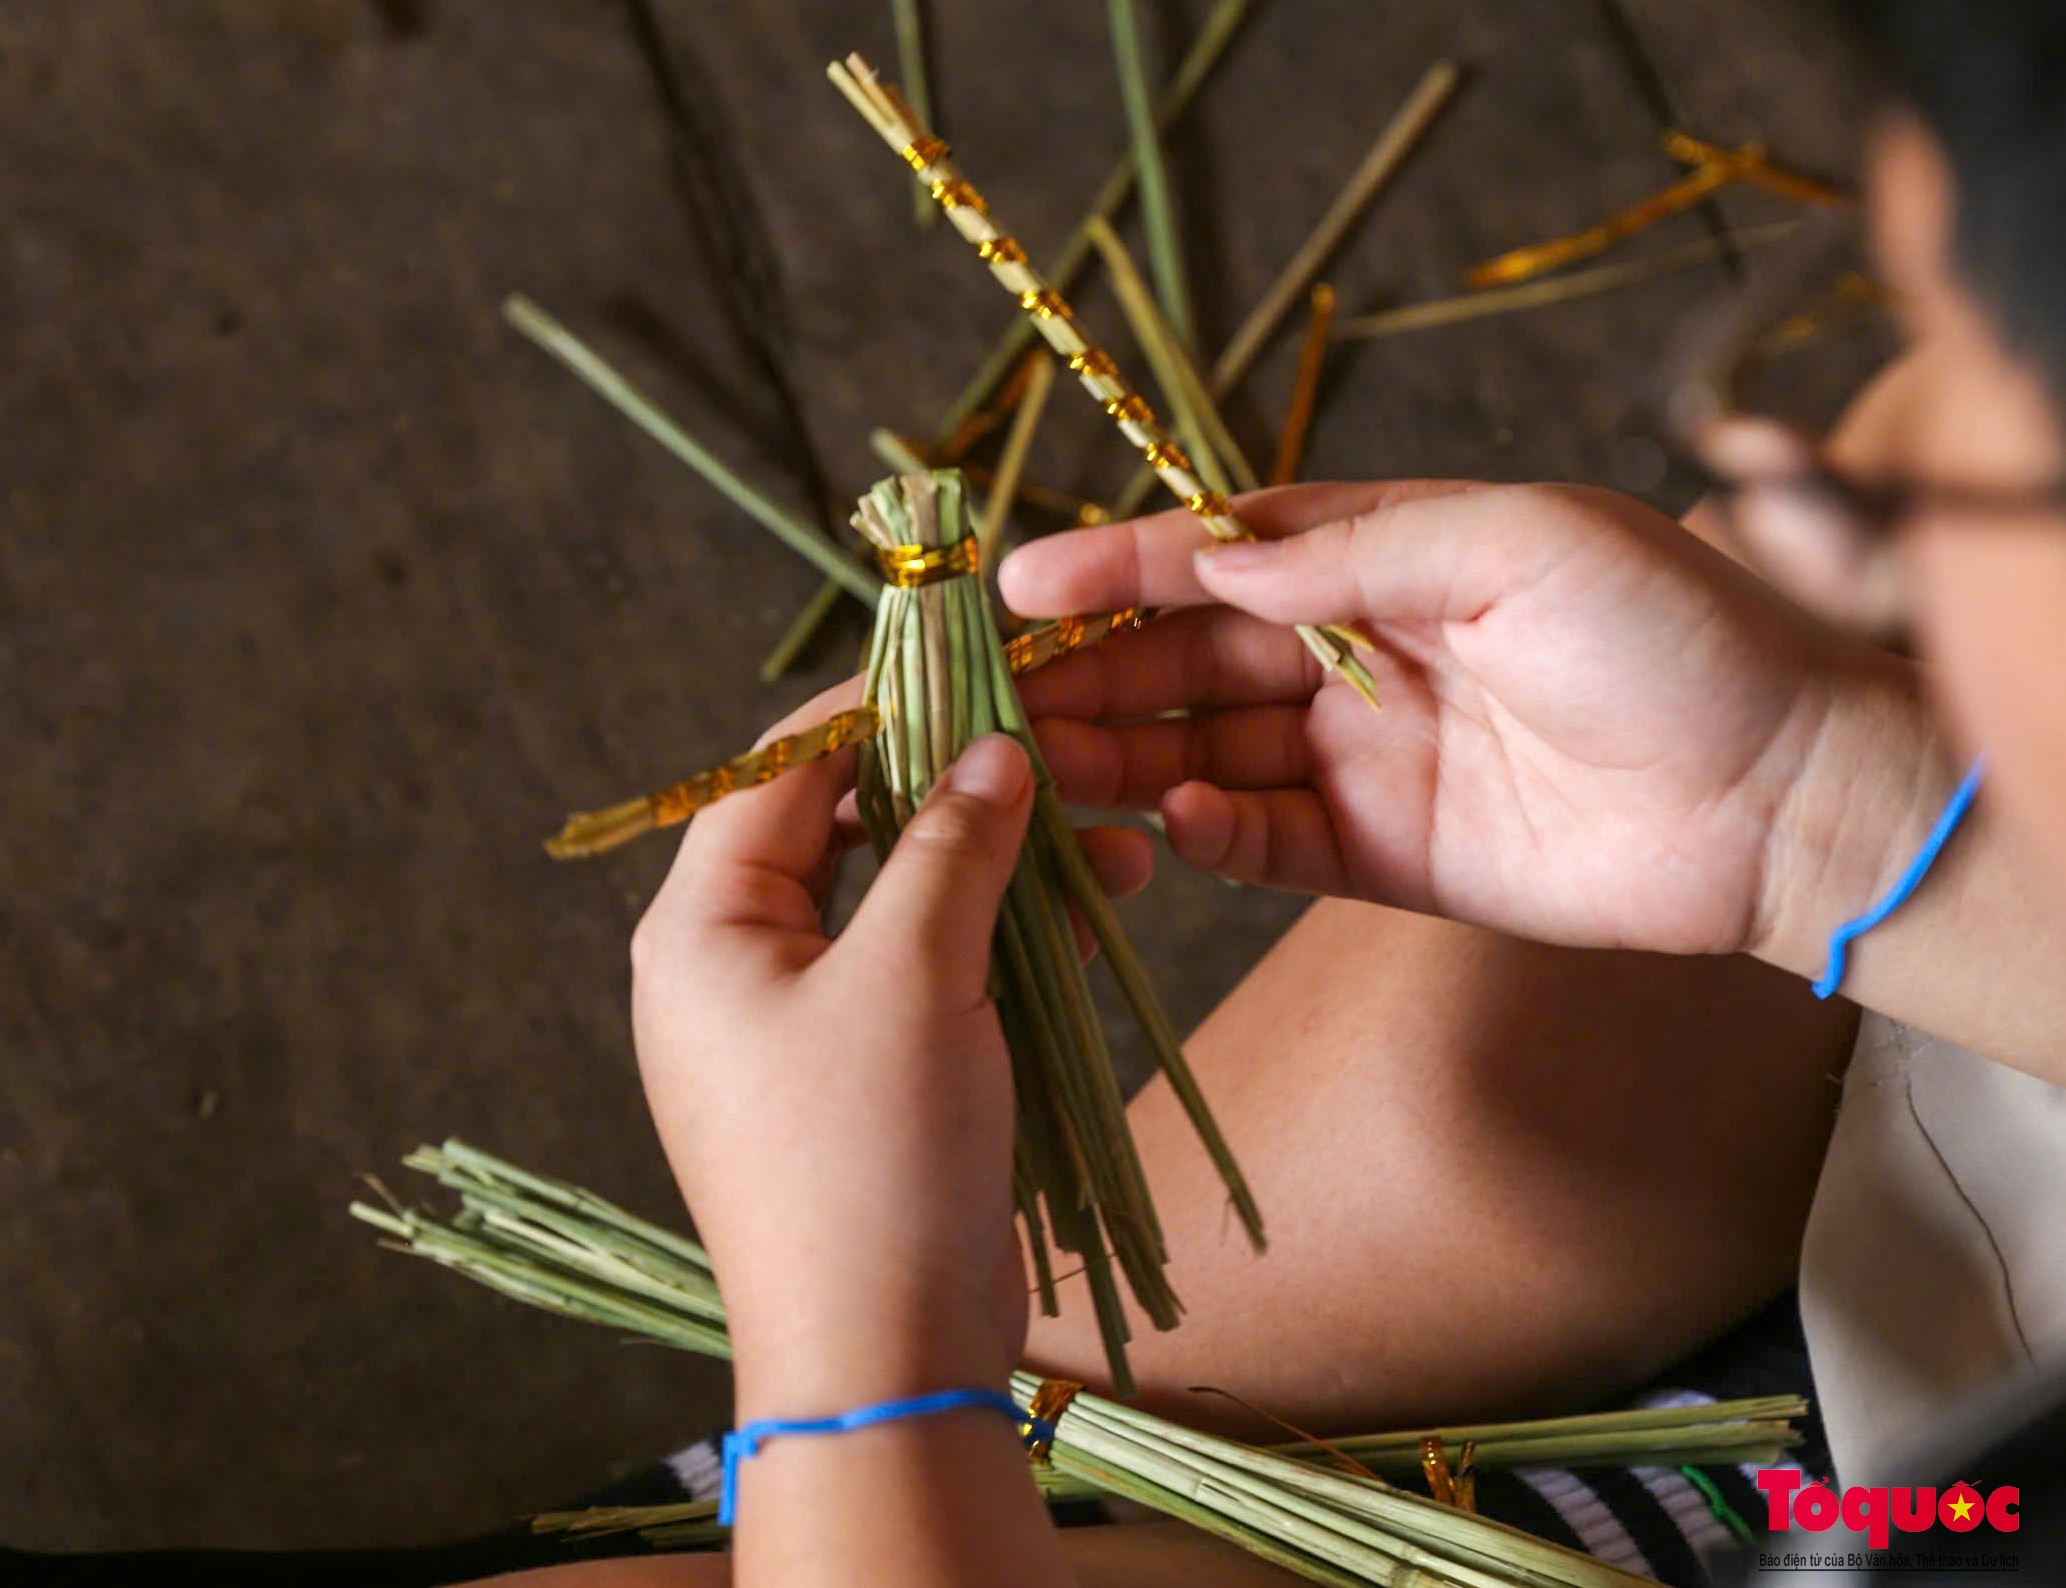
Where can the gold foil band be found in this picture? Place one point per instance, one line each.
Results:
(922, 152)
(1037, 647)
(1049, 1402)
(1459, 1487)
(908, 567)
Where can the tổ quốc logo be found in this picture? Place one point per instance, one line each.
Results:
(1795, 1502)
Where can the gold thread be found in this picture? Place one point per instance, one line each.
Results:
(1001, 250)
(1163, 453)
(908, 567)
(1094, 361)
(1037, 647)
(1049, 1402)
(925, 151)
(1130, 407)
(1046, 303)
(952, 193)
(1209, 504)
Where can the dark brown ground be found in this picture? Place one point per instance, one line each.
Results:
(322, 595)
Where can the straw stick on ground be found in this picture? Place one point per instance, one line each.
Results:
(1197, 418)
(1335, 647)
(1305, 387)
(1402, 134)
(563, 1249)
(1557, 289)
(1011, 465)
(1158, 208)
(614, 389)
(910, 20)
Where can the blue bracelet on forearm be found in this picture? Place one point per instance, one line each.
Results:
(1840, 940)
(742, 1444)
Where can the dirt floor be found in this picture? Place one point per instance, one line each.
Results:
(322, 595)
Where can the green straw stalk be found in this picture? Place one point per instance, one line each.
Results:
(563, 1249)
(547, 332)
(910, 22)
(1158, 207)
(1196, 417)
(1402, 134)
(1011, 463)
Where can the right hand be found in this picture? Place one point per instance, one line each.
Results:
(1593, 724)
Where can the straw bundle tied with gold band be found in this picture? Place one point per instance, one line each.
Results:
(938, 680)
(929, 156)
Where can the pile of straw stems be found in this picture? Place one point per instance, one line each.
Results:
(938, 678)
(564, 1249)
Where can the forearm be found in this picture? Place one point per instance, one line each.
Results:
(1975, 956)
(926, 1502)
(929, 1503)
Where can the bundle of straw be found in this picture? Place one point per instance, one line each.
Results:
(558, 1247)
(938, 679)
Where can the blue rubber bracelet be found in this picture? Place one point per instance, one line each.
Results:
(1840, 940)
(743, 1444)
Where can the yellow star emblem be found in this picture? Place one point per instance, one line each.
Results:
(1961, 1508)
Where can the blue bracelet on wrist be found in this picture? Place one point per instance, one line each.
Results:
(742, 1444)
(1840, 940)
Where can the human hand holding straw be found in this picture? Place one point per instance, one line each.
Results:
(1598, 730)
(838, 1112)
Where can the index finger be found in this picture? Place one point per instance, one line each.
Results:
(1148, 561)
(748, 860)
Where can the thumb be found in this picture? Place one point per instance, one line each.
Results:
(932, 911)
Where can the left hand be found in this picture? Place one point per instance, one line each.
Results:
(839, 1112)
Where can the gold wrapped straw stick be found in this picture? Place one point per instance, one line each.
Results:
(1401, 135)
(1204, 54)
(1522, 264)
(968, 417)
(597, 832)
(1056, 321)
(1305, 390)
(1557, 289)
(1689, 150)
(1714, 168)
(591, 833)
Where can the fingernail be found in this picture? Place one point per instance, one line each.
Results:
(1239, 556)
(994, 770)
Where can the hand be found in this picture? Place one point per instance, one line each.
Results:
(839, 1113)
(1593, 724)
